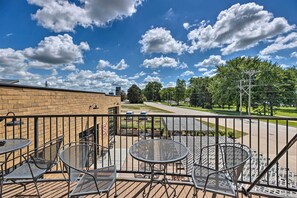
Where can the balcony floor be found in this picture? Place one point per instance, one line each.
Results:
(124, 189)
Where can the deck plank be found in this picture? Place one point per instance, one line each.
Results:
(124, 189)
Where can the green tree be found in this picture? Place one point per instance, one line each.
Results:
(123, 95)
(134, 94)
(180, 90)
(167, 94)
(200, 95)
(152, 91)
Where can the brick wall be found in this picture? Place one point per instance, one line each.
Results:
(25, 100)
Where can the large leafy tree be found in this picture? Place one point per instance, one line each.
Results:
(200, 95)
(152, 91)
(134, 94)
(180, 90)
(123, 95)
(167, 94)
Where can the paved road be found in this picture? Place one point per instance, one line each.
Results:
(258, 132)
(184, 124)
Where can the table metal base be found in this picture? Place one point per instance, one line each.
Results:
(153, 182)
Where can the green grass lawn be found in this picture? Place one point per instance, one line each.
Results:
(141, 107)
(290, 112)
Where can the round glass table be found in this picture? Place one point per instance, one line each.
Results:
(158, 151)
(10, 145)
(7, 147)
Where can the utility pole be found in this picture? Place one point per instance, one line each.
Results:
(240, 89)
(247, 91)
(250, 73)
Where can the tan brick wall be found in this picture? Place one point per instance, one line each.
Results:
(30, 101)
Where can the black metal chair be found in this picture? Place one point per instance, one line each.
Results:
(79, 161)
(36, 163)
(232, 158)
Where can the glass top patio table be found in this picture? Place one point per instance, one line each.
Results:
(13, 145)
(158, 151)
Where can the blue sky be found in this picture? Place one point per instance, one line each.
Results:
(99, 44)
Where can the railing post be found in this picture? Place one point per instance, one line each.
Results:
(217, 142)
(96, 141)
(153, 127)
(35, 133)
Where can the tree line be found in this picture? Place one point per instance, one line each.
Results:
(271, 85)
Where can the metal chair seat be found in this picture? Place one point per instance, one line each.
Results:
(105, 178)
(23, 172)
(217, 181)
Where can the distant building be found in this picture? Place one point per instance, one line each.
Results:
(111, 93)
(118, 91)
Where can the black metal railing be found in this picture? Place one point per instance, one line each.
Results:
(266, 136)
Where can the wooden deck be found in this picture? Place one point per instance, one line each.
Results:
(124, 189)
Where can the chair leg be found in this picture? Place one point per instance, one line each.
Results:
(115, 189)
(1, 187)
(35, 182)
(195, 192)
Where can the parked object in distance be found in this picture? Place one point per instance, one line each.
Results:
(143, 115)
(128, 113)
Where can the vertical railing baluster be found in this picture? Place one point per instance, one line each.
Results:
(96, 141)
(217, 142)
(36, 138)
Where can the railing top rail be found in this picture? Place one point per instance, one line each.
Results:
(155, 115)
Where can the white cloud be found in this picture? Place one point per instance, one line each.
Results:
(104, 64)
(159, 40)
(52, 53)
(202, 69)
(121, 65)
(57, 50)
(137, 75)
(187, 73)
(152, 79)
(279, 57)
(157, 62)
(281, 43)
(62, 15)
(186, 25)
(183, 65)
(171, 84)
(155, 73)
(210, 73)
(238, 28)
(294, 54)
(212, 60)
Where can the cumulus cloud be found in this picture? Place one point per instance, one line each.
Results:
(186, 25)
(159, 40)
(210, 73)
(57, 50)
(63, 16)
(187, 73)
(171, 84)
(137, 75)
(294, 54)
(183, 65)
(53, 52)
(152, 79)
(119, 66)
(212, 60)
(238, 28)
(157, 62)
(202, 69)
(281, 43)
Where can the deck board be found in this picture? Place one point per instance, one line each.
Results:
(124, 189)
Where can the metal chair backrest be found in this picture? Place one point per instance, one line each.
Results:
(46, 156)
(235, 156)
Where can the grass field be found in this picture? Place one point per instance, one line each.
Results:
(290, 112)
(137, 108)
